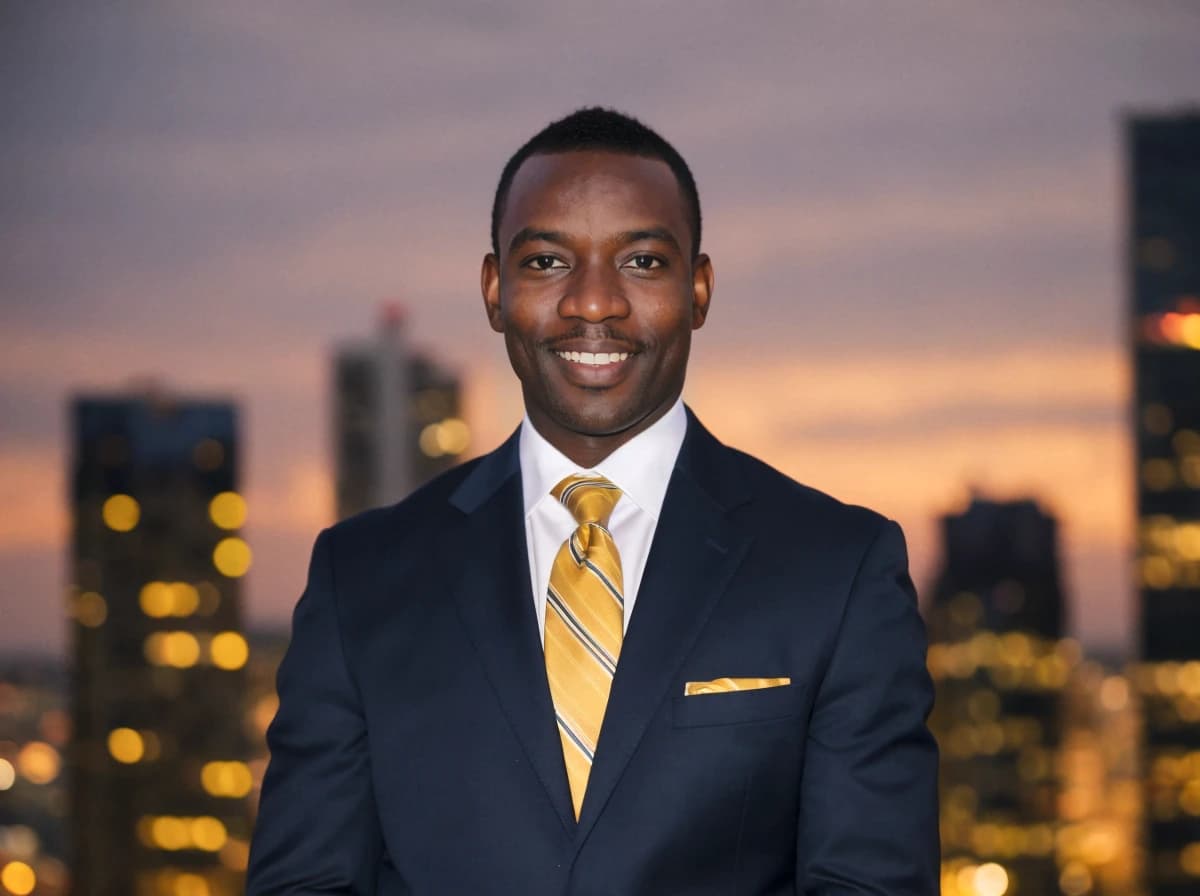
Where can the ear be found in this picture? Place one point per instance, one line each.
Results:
(702, 289)
(489, 285)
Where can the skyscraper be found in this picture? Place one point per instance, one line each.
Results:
(1164, 278)
(157, 759)
(396, 419)
(999, 663)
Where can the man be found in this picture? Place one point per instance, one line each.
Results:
(613, 656)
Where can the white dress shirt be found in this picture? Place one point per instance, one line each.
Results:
(641, 469)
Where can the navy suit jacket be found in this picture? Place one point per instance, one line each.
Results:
(415, 749)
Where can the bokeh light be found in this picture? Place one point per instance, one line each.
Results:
(18, 878)
(232, 557)
(228, 510)
(121, 513)
(229, 650)
(126, 746)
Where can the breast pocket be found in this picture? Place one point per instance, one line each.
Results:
(738, 707)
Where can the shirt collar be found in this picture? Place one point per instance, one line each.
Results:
(641, 467)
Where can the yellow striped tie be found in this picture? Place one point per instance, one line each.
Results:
(585, 610)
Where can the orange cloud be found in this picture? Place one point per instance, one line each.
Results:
(912, 436)
(33, 498)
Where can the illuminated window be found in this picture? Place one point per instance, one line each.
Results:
(232, 557)
(228, 510)
(235, 854)
(1186, 441)
(1189, 798)
(120, 513)
(39, 762)
(188, 884)
(90, 609)
(184, 599)
(1178, 328)
(1075, 879)
(448, 437)
(1157, 572)
(161, 599)
(229, 650)
(1189, 330)
(169, 833)
(1158, 474)
(1114, 693)
(227, 779)
(1189, 859)
(1187, 541)
(155, 599)
(1189, 470)
(207, 833)
(18, 878)
(126, 746)
(178, 649)
(990, 879)
(173, 833)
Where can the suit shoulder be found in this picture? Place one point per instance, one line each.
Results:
(425, 508)
(781, 494)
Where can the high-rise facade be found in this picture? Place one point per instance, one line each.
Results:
(158, 778)
(999, 662)
(396, 419)
(1163, 158)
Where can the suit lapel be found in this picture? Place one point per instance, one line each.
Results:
(494, 600)
(693, 556)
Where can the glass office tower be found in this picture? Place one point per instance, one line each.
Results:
(1163, 158)
(396, 419)
(1000, 662)
(158, 777)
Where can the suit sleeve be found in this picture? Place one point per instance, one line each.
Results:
(868, 805)
(317, 829)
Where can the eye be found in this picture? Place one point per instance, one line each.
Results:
(544, 263)
(644, 262)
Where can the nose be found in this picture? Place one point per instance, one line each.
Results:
(594, 293)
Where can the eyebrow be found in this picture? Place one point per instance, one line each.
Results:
(532, 235)
(652, 233)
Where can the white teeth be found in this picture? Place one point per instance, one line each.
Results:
(593, 359)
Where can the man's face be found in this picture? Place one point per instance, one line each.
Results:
(596, 293)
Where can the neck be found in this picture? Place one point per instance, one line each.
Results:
(588, 449)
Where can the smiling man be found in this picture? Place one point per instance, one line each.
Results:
(613, 656)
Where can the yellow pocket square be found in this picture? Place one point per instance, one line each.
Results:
(723, 685)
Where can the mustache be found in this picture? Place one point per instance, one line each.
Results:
(593, 333)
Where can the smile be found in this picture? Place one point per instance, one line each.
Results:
(594, 359)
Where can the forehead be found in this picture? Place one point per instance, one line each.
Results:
(591, 189)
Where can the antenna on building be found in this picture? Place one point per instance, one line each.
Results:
(392, 317)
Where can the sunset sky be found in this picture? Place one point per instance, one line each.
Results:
(913, 210)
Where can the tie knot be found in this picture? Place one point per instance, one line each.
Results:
(590, 499)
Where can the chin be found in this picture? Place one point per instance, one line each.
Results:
(607, 422)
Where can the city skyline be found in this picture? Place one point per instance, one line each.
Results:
(914, 220)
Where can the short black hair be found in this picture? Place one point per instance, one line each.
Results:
(597, 128)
